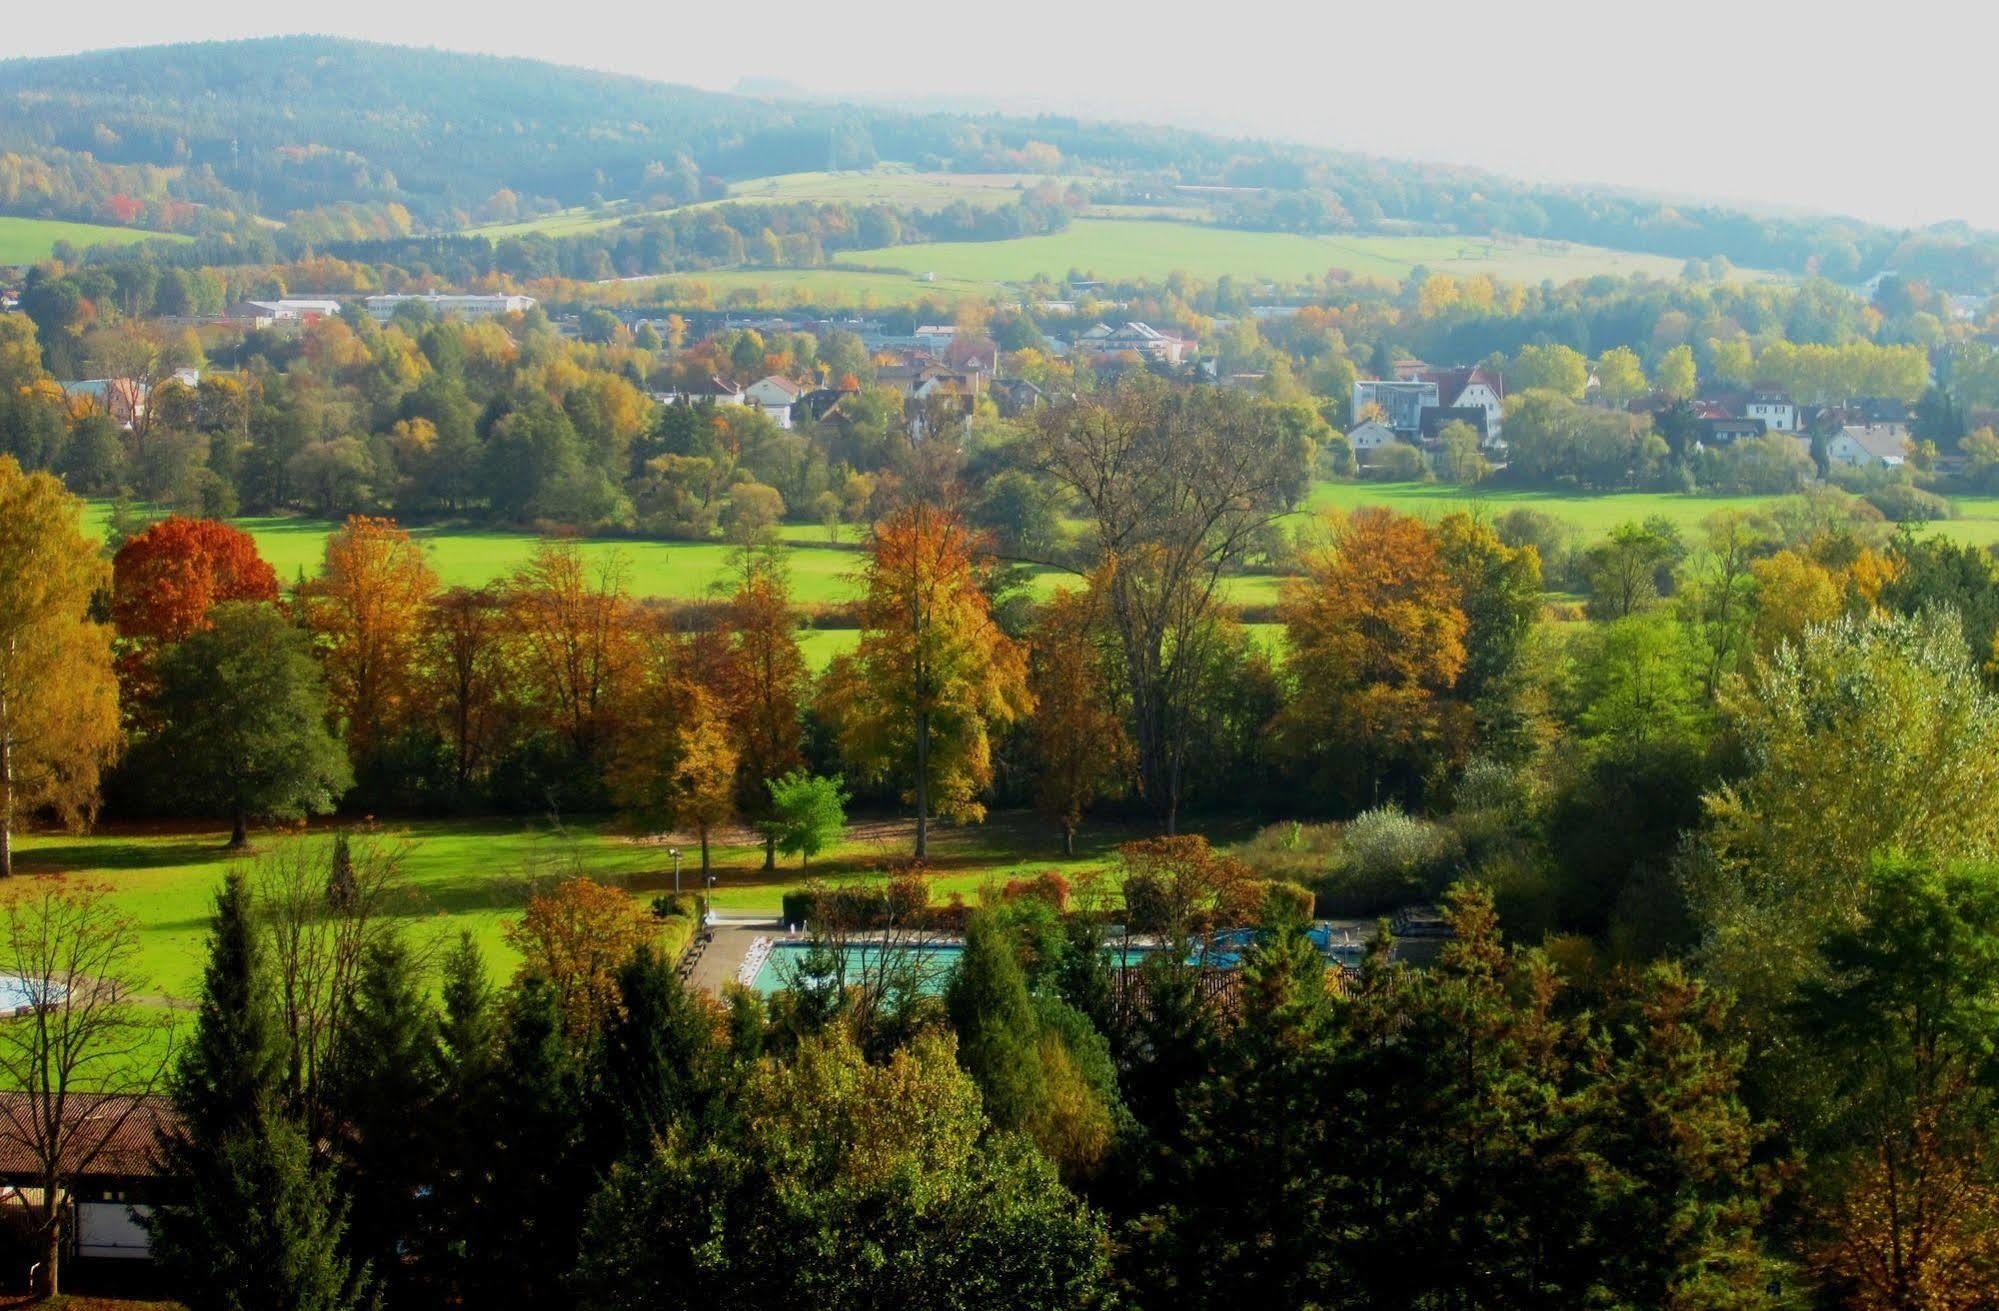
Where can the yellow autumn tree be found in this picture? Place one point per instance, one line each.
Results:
(673, 758)
(1376, 633)
(367, 610)
(58, 694)
(917, 699)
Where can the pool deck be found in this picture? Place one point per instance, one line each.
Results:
(730, 946)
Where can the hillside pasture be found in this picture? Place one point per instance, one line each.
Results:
(1149, 249)
(30, 240)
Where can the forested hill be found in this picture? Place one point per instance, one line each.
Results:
(344, 140)
(297, 122)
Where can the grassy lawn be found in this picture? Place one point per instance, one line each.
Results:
(28, 240)
(1977, 518)
(475, 875)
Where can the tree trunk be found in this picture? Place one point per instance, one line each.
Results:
(49, 1278)
(6, 796)
(704, 853)
(239, 835)
(770, 851)
(1068, 839)
(922, 784)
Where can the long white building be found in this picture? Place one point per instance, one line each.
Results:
(465, 307)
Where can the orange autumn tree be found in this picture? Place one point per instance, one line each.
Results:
(576, 936)
(367, 611)
(1081, 752)
(572, 627)
(1376, 635)
(673, 755)
(165, 580)
(763, 680)
(917, 699)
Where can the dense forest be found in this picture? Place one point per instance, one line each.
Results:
(345, 139)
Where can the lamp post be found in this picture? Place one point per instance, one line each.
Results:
(676, 871)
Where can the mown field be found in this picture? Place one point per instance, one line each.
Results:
(476, 875)
(1132, 248)
(28, 240)
(1977, 520)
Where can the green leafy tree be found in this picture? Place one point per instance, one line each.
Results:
(534, 1172)
(1870, 735)
(1898, 1113)
(808, 813)
(243, 711)
(1554, 368)
(845, 1185)
(1675, 376)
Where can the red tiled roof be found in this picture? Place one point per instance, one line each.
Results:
(128, 1153)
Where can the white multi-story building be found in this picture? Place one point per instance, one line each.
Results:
(1774, 408)
(445, 306)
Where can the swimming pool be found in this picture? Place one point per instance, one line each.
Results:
(18, 994)
(934, 961)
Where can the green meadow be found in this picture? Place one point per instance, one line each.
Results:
(1135, 248)
(29, 240)
(1976, 521)
(1153, 249)
(474, 876)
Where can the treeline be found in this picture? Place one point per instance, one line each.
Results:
(1317, 194)
(711, 237)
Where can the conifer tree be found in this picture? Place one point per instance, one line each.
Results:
(468, 1054)
(656, 1065)
(255, 1227)
(388, 1088)
(1243, 1226)
(537, 1177)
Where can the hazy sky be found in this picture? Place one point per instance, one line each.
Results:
(1885, 111)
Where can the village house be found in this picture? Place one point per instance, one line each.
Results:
(1368, 437)
(1406, 399)
(715, 391)
(1773, 407)
(1401, 402)
(1724, 430)
(285, 310)
(1140, 339)
(775, 396)
(110, 1192)
(1869, 446)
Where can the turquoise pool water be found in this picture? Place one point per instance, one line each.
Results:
(935, 961)
(18, 994)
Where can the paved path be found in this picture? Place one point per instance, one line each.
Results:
(724, 954)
